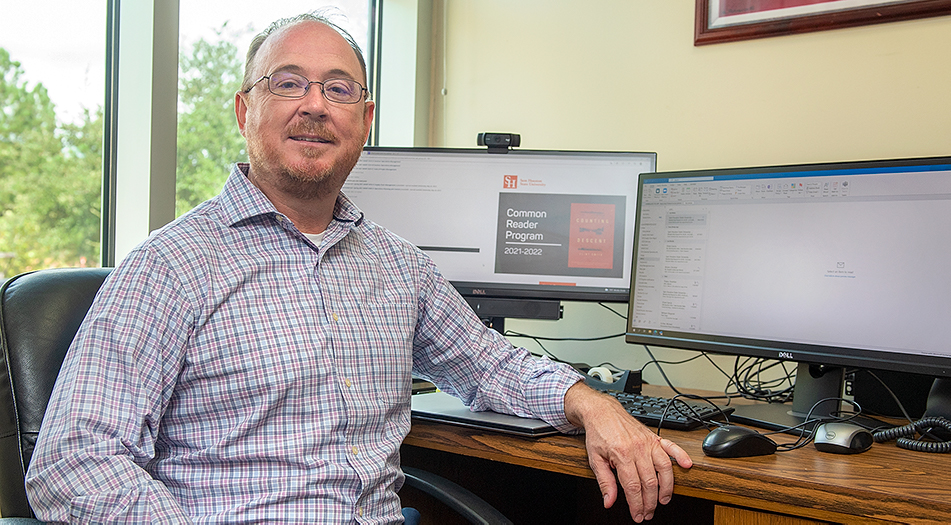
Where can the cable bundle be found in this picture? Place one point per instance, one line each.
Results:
(905, 435)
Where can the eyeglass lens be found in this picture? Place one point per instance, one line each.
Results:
(341, 90)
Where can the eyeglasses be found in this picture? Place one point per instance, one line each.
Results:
(292, 85)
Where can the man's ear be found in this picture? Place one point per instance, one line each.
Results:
(240, 110)
(368, 111)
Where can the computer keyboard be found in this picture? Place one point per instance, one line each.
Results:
(650, 410)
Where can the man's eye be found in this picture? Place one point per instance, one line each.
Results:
(287, 82)
(339, 88)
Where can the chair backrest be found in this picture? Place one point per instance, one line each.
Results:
(39, 315)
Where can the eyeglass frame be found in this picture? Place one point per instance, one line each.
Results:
(363, 90)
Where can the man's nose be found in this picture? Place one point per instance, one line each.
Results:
(313, 103)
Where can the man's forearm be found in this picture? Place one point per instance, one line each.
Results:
(77, 491)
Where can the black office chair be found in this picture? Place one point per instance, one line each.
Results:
(39, 315)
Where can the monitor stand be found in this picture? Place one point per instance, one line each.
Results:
(939, 404)
(939, 398)
(493, 311)
(814, 383)
(495, 323)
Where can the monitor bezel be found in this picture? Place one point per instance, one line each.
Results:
(501, 290)
(938, 366)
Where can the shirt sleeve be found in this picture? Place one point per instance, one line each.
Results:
(463, 357)
(101, 424)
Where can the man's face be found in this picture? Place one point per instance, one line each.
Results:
(306, 146)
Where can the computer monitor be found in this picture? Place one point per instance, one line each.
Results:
(515, 232)
(828, 265)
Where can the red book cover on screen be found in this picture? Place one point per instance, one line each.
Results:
(591, 243)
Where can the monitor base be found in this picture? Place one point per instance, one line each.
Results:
(780, 417)
(818, 394)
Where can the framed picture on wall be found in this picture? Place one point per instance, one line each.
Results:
(732, 20)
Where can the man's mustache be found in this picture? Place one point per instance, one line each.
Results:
(313, 129)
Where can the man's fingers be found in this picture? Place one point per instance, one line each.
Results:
(646, 483)
(623, 451)
(665, 475)
(640, 487)
(605, 476)
(673, 450)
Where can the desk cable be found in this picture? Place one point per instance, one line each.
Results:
(904, 436)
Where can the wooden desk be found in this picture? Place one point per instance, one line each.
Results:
(546, 479)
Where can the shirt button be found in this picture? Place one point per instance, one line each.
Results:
(355, 450)
(334, 315)
(360, 511)
(347, 382)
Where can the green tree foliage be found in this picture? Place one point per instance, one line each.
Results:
(208, 137)
(50, 179)
(51, 172)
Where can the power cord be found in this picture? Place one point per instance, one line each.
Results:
(748, 380)
(894, 397)
(679, 402)
(807, 436)
(538, 340)
(904, 436)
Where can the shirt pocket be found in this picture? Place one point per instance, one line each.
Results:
(378, 350)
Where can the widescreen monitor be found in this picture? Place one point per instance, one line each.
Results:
(514, 232)
(829, 265)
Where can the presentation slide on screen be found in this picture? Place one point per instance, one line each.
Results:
(568, 235)
(508, 218)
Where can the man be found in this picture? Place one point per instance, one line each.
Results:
(252, 361)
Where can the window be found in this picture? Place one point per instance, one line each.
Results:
(51, 98)
(52, 93)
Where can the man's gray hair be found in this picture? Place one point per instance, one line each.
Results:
(313, 16)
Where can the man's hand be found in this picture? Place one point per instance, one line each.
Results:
(617, 441)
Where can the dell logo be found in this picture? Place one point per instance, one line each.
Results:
(478, 291)
(786, 355)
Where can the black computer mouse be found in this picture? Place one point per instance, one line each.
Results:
(734, 441)
(842, 438)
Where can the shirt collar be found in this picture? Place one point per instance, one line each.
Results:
(242, 200)
(346, 211)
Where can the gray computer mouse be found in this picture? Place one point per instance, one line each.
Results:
(734, 441)
(842, 438)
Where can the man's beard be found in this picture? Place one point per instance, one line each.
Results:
(303, 181)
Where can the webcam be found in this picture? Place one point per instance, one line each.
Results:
(499, 142)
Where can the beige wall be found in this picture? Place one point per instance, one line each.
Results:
(625, 75)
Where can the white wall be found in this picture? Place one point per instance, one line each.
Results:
(625, 75)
